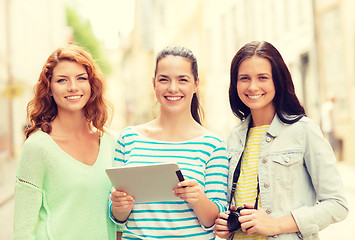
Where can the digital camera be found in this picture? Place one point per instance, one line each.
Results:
(232, 221)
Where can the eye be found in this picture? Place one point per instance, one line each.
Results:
(264, 77)
(83, 78)
(61, 80)
(162, 80)
(183, 80)
(243, 79)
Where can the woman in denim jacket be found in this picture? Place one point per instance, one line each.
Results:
(299, 189)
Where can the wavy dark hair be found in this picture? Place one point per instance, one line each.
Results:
(287, 106)
(42, 109)
(196, 109)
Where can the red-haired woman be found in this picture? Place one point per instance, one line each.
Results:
(61, 185)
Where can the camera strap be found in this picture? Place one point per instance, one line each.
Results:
(237, 174)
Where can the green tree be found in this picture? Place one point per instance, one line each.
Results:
(84, 36)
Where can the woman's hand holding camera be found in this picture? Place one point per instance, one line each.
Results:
(221, 228)
(256, 221)
(250, 220)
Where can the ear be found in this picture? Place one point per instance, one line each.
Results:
(197, 82)
(153, 82)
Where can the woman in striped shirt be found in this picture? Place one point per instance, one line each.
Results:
(288, 181)
(176, 135)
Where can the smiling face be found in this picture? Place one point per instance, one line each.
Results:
(70, 86)
(255, 85)
(174, 84)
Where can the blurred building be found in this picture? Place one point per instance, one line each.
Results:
(288, 25)
(29, 32)
(157, 24)
(335, 37)
(214, 31)
(316, 39)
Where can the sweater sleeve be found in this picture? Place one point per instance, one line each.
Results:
(331, 205)
(29, 189)
(119, 156)
(216, 177)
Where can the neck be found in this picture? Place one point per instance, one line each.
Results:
(176, 122)
(70, 124)
(262, 118)
(172, 127)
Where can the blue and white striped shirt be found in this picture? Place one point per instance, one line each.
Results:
(203, 159)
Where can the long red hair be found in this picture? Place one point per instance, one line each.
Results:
(42, 109)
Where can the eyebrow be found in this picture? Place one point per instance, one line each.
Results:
(180, 76)
(264, 74)
(163, 76)
(81, 74)
(256, 74)
(184, 76)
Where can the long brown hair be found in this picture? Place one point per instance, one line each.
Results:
(287, 105)
(42, 109)
(196, 110)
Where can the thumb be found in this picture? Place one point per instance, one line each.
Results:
(250, 206)
(233, 208)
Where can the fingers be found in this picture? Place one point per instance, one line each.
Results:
(247, 227)
(250, 210)
(121, 200)
(187, 194)
(187, 188)
(255, 221)
(190, 193)
(117, 195)
(188, 183)
(221, 228)
(250, 206)
(221, 224)
(223, 215)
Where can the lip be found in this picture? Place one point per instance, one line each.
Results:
(254, 96)
(173, 98)
(73, 98)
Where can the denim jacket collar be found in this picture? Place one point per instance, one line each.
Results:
(274, 129)
(275, 126)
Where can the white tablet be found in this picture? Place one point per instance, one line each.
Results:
(148, 183)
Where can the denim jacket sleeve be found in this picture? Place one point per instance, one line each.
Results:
(330, 206)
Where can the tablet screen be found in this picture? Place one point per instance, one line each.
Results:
(148, 183)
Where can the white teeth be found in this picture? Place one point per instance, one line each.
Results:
(254, 96)
(73, 97)
(173, 98)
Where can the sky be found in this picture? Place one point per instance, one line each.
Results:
(110, 19)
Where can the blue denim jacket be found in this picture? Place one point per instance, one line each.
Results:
(297, 175)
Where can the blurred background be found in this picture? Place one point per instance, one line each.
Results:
(315, 37)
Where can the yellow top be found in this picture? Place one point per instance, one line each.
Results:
(247, 183)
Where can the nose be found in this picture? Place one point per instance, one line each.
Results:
(173, 87)
(73, 86)
(253, 85)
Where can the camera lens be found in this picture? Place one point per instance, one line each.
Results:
(232, 221)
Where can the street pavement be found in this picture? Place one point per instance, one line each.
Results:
(339, 231)
(7, 187)
(344, 230)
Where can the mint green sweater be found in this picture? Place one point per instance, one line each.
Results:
(58, 197)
